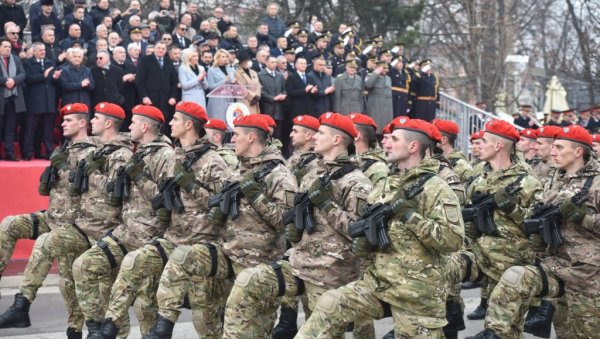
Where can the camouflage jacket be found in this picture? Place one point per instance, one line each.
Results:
(192, 226)
(543, 171)
(373, 164)
(451, 178)
(510, 246)
(302, 162)
(410, 275)
(325, 257)
(140, 221)
(62, 208)
(97, 215)
(460, 164)
(577, 262)
(256, 235)
(228, 154)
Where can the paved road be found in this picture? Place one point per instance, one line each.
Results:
(48, 315)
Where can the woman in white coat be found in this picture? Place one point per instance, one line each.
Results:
(220, 73)
(192, 78)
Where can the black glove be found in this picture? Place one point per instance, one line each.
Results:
(572, 212)
(505, 202)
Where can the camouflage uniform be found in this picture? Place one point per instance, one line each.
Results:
(95, 270)
(374, 165)
(543, 171)
(575, 264)
(301, 162)
(141, 269)
(321, 260)
(410, 275)
(254, 237)
(228, 154)
(460, 164)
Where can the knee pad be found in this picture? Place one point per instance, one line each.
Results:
(7, 222)
(78, 269)
(41, 240)
(329, 301)
(180, 254)
(513, 276)
(142, 309)
(128, 262)
(246, 276)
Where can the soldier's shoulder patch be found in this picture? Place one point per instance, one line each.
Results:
(452, 212)
(361, 206)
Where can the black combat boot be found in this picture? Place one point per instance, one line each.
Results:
(109, 330)
(94, 328)
(162, 329)
(73, 333)
(17, 315)
(390, 335)
(454, 316)
(540, 324)
(485, 334)
(287, 327)
(469, 285)
(479, 313)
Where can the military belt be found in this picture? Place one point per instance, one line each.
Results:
(35, 226)
(280, 281)
(427, 98)
(214, 261)
(104, 247)
(399, 89)
(161, 250)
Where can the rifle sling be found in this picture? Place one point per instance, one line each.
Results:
(307, 160)
(416, 188)
(190, 160)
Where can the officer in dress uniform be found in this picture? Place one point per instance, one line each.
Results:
(401, 81)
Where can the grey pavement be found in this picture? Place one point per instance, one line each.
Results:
(48, 314)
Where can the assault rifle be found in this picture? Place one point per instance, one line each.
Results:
(168, 196)
(301, 214)
(373, 226)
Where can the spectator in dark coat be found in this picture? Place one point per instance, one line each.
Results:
(263, 37)
(322, 92)
(10, 11)
(231, 40)
(46, 17)
(298, 99)
(42, 76)
(35, 10)
(108, 79)
(99, 11)
(223, 21)
(275, 24)
(53, 51)
(74, 36)
(273, 94)
(76, 80)
(12, 101)
(129, 69)
(156, 80)
(84, 21)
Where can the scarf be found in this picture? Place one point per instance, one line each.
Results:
(12, 73)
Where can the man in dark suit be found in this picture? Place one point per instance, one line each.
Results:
(108, 79)
(298, 97)
(41, 108)
(179, 38)
(128, 64)
(156, 81)
(322, 92)
(273, 94)
(12, 101)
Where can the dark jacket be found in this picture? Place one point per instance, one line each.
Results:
(155, 83)
(299, 102)
(271, 86)
(321, 102)
(228, 44)
(40, 91)
(19, 80)
(109, 85)
(98, 14)
(15, 14)
(70, 82)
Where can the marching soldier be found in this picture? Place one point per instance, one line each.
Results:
(460, 164)
(595, 144)
(424, 224)
(401, 81)
(251, 234)
(63, 210)
(370, 157)
(349, 96)
(526, 145)
(303, 158)
(573, 268)
(321, 258)
(215, 132)
(426, 92)
(198, 173)
(544, 169)
(136, 183)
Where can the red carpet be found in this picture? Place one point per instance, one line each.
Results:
(18, 194)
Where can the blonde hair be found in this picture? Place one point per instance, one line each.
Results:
(218, 56)
(186, 55)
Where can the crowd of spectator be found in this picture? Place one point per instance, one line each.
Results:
(155, 57)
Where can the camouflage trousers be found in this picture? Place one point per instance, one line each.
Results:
(94, 276)
(253, 293)
(65, 243)
(15, 227)
(519, 285)
(192, 269)
(138, 280)
(357, 300)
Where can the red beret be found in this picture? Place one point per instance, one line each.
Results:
(110, 109)
(576, 133)
(436, 134)
(502, 129)
(362, 119)
(595, 137)
(548, 132)
(339, 122)
(76, 108)
(529, 133)
(192, 109)
(253, 121)
(416, 125)
(216, 124)
(269, 120)
(149, 112)
(446, 126)
(307, 121)
(387, 129)
(476, 135)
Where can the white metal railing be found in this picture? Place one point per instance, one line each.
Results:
(468, 117)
